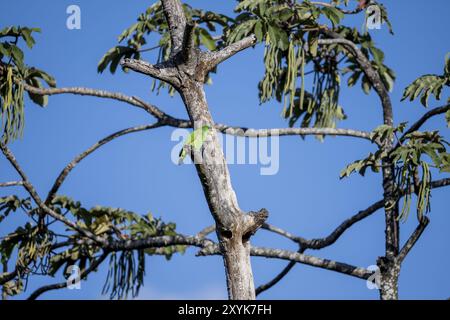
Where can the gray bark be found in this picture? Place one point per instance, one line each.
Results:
(389, 272)
(186, 71)
(234, 227)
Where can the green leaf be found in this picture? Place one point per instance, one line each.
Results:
(17, 54)
(353, 79)
(278, 37)
(313, 42)
(3, 50)
(33, 77)
(37, 73)
(382, 132)
(385, 18)
(388, 77)
(424, 86)
(378, 55)
(447, 65)
(207, 40)
(113, 58)
(13, 288)
(429, 84)
(26, 35)
(259, 31)
(333, 14)
(39, 99)
(366, 85)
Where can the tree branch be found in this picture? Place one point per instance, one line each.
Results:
(32, 191)
(332, 238)
(162, 71)
(282, 233)
(155, 242)
(335, 235)
(440, 183)
(212, 59)
(413, 239)
(298, 258)
(315, 243)
(11, 184)
(7, 276)
(65, 172)
(392, 228)
(253, 133)
(278, 278)
(312, 261)
(206, 231)
(173, 10)
(166, 119)
(94, 265)
(416, 126)
(321, 243)
(370, 72)
(329, 5)
(134, 101)
(95, 93)
(188, 49)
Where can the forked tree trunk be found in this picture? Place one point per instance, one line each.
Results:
(234, 227)
(389, 268)
(186, 71)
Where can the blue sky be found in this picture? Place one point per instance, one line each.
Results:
(306, 197)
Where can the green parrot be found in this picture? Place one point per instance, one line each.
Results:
(194, 140)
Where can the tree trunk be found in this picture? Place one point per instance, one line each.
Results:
(186, 71)
(388, 265)
(234, 227)
(390, 272)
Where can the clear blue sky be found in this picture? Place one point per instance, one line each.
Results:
(306, 197)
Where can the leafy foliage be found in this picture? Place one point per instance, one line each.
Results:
(11, 204)
(408, 158)
(125, 275)
(384, 15)
(428, 84)
(290, 32)
(153, 22)
(13, 73)
(373, 54)
(39, 251)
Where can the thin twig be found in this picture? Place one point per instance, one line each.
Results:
(32, 191)
(11, 184)
(416, 126)
(61, 285)
(413, 239)
(65, 172)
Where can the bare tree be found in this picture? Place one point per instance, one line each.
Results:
(294, 38)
